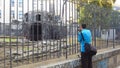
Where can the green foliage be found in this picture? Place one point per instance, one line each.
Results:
(102, 3)
(95, 12)
(8, 40)
(115, 19)
(95, 16)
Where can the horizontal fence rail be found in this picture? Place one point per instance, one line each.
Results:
(37, 30)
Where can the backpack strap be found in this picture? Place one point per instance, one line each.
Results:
(82, 36)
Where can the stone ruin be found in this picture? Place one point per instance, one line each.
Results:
(43, 26)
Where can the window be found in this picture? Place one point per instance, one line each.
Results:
(12, 14)
(0, 13)
(104, 32)
(20, 14)
(38, 17)
(12, 3)
(20, 3)
(26, 17)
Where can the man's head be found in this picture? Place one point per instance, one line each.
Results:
(83, 26)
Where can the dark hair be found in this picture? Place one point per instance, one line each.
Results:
(83, 26)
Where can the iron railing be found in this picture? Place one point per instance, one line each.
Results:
(47, 29)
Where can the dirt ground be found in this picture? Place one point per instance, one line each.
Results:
(5, 53)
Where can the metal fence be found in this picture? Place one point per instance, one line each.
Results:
(38, 30)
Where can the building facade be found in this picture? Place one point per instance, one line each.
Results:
(15, 9)
(12, 10)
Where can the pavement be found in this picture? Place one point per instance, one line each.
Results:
(118, 67)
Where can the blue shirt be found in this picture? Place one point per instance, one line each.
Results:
(87, 36)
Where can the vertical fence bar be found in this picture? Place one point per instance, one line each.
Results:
(65, 25)
(53, 26)
(37, 31)
(113, 29)
(17, 3)
(62, 25)
(33, 29)
(42, 28)
(69, 32)
(62, 39)
(77, 27)
(28, 34)
(113, 38)
(10, 46)
(56, 19)
(23, 39)
(4, 33)
(38, 35)
(45, 4)
(49, 29)
(72, 30)
(60, 30)
(95, 29)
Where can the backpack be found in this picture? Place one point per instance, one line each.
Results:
(89, 49)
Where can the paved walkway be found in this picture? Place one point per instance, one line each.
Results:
(118, 67)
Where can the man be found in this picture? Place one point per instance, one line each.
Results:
(86, 58)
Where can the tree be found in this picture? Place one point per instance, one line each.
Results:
(102, 3)
(115, 19)
(96, 16)
(94, 12)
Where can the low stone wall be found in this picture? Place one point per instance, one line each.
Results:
(106, 59)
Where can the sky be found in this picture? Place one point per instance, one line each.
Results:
(117, 2)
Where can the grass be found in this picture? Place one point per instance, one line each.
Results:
(8, 40)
